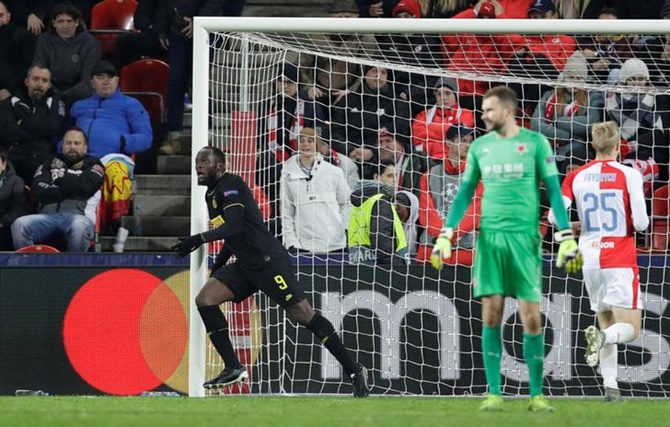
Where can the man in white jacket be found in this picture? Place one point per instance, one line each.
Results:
(314, 199)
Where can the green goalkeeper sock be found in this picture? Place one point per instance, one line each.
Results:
(492, 349)
(533, 352)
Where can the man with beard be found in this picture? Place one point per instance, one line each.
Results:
(261, 263)
(30, 123)
(61, 188)
(510, 161)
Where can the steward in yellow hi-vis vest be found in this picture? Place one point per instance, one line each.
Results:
(375, 234)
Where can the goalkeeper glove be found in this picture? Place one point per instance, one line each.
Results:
(568, 251)
(442, 248)
(188, 244)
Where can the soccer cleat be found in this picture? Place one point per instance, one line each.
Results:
(360, 381)
(595, 339)
(227, 377)
(539, 404)
(492, 402)
(612, 395)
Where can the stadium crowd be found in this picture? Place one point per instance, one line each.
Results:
(59, 77)
(410, 131)
(397, 139)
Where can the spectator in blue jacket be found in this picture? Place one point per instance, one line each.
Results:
(113, 122)
(117, 126)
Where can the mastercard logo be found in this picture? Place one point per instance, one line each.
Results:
(126, 331)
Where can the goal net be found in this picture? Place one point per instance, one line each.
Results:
(391, 105)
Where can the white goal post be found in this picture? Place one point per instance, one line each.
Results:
(391, 370)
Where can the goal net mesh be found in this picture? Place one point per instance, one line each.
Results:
(392, 99)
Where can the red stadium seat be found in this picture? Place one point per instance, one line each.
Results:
(45, 249)
(660, 222)
(109, 19)
(147, 80)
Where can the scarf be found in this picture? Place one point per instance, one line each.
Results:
(633, 111)
(296, 125)
(550, 110)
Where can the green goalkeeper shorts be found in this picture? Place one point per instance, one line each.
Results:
(508, 264)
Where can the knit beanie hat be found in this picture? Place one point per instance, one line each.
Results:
(488, 10)
(447, 82)
(576, 67)
(633, 67)
(413, 7)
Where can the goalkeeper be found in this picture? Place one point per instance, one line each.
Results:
(509, 160)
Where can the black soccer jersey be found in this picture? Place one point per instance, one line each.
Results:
(235, 217)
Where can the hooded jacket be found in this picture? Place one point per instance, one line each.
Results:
(70, 62)
(315, 206)
(13, 201)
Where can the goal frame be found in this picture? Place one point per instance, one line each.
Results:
(203, 26)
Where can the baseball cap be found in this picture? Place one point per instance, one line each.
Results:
(459, 130)
(104, 67)
(542, 6)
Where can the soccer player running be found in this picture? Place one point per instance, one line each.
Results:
(509, 160)
(262, 263)
(610, 202)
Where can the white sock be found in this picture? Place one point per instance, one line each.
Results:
(619, 333)
(609, 365)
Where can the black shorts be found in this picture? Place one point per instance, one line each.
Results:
(276, 279)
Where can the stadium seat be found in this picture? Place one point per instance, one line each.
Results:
(660, 222)
(147, 80)
(45, 249)
(109, 19)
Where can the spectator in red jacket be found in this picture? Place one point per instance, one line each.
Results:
(429, 128)
(478, 54)
(438, 189)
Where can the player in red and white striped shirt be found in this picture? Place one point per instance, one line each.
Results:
(610, 202)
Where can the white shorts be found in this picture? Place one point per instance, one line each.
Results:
(613, 287)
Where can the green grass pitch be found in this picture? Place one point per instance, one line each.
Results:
(288, 411)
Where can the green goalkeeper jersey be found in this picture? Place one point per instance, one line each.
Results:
(511, 170)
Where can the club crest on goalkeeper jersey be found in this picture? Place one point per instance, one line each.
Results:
(511, 170)
(610, 203)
